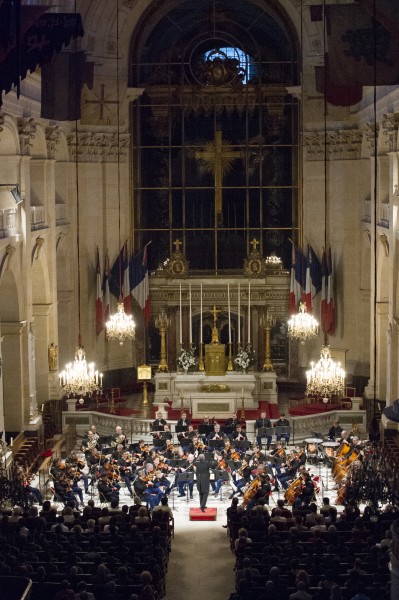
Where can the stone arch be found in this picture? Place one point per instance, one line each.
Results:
(9, 140)
(38, 146)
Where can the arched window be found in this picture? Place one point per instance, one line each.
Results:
(215, 154)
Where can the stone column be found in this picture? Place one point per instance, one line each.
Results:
(14, 389)
(1, 389)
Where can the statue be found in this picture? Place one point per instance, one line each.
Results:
(52, 357)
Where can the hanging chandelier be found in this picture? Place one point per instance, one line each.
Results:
(120, 326)
(302, 325)
(326, 378)
(80, 377)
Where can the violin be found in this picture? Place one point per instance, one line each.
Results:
(235, 456)
(222, 464)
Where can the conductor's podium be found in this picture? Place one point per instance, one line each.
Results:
(196, 514)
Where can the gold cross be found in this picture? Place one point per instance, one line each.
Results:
(215, 313)
(219, 158)
(102, 101)
(177, 243)
(254, 244)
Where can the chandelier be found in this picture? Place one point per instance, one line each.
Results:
(80, 378)
(120, 326)
(302, 325)
(326, 378)
(273, 262)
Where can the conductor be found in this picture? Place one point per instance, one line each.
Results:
(203, 476)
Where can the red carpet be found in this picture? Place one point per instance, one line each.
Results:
(312, 409)
(196, 514)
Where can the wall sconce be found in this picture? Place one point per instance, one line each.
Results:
(14, 191)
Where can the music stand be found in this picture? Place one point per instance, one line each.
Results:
(284, 430)
(107, 450)
(265, 432)
(186, 478)
(242, 444)
(204, 429)
(180, 428)
(159, 443)
(234, 465)
(216, 444)
(156, 428)
(223, 475)
(228, 429)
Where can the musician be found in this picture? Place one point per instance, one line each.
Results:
(157, 479)
(282, 422)
(107, 489)
(245, 476)
(184, 421)
(79, 465)
(166, 433)
(307, 494)
(146, 491)
(169, 453)
(89, 441)
(278, 456)
(232, 422)
(288, 471)
(261, 423)
(188, 467)
(216, 434)
(203, 477)
(73, 478)
(335, 431)
(25, 480)
(126, 470)
(239, 434)
(187, 442)
(159, 421)
(119, 437)
(264, 490)
(209, 428)
(63, 490)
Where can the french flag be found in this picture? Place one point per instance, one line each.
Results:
(119, 279)
(295, 287)
(99, 298)
(139, 282)
(308, 287)
(127, 299)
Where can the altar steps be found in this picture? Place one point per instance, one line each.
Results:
(302, 410)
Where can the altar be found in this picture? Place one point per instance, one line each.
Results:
(215, 396)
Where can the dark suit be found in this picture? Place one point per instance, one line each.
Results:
(203, 477)
(262, 424)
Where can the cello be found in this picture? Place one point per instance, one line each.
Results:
(293, 491)
(251, 491)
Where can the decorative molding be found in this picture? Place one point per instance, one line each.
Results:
(369, 138)
(2, 120)
(53, 137)
(26, 132)
(5, 261)
(99, 147)
(389, 128)
(342, 144)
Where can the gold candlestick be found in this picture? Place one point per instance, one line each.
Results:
(267, 322)
(145, 393)
(201, 366)
(162, 323)
(230, 361)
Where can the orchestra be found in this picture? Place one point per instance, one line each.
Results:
(151, 471)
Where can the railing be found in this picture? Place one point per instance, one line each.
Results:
(136, 428)
(8, 222)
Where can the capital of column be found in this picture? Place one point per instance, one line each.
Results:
(12, 327)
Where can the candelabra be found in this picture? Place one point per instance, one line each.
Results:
(267, 322)
(230, 359)
(162, 323)
(201, 365)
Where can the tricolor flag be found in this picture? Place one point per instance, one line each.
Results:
(295, 288)
(330, 296)
(107, 301)
(315, 271)
(99, 298)
(139, 282)
(308, 286)
(119, 279)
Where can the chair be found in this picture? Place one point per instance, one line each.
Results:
(346, 403)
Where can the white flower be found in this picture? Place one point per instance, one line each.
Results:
(245, 358)
(186, 360)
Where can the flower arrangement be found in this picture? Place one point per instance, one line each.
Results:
(186, 360)
(245, 359)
